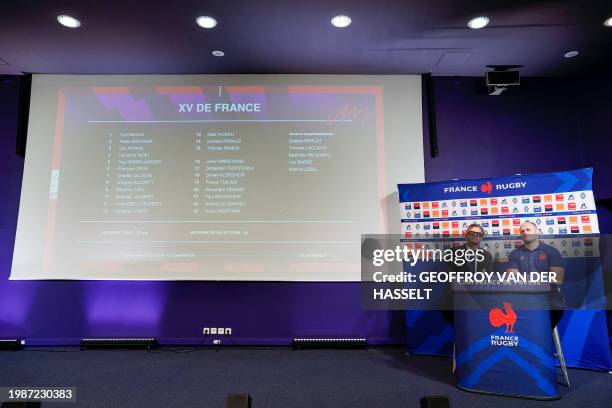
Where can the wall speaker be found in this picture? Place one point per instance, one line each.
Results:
(435, 402)
(119, 342)
(238, 401)
(25, 88)
(430, 105)
(11, 344)
(329, 343)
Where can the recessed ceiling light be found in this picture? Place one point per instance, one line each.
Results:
(218, 53)
(570, 54)
(68, 21)
(478, 22)
(206, 22)
(608, 22)
(341, 21)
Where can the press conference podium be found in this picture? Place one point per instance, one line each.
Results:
(503, 340)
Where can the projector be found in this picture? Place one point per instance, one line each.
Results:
(499, 81)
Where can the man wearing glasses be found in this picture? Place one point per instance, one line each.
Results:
(473, 239)
(536, 256)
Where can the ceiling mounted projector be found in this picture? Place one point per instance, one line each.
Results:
(501, 78)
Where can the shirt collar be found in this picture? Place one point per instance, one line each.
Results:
(539, 247)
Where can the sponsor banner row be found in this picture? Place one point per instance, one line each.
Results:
(554, 225)
(533, 204)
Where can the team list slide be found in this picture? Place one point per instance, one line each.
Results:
(203, 173)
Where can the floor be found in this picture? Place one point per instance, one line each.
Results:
(274, 377)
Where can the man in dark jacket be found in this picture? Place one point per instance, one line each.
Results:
(473, 239)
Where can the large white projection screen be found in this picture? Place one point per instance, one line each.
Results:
(213, 177)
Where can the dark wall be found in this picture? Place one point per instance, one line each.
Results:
(594, 106)
(543, 125)
(529, 129)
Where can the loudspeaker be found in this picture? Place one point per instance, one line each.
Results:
(25, 88)
(238, 401)
(431, 114)
(435, 402)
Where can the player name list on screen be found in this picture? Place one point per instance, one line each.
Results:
(201, 181)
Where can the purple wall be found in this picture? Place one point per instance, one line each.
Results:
(528, 129)
(594, 100)
(543, 125)
(62, 312)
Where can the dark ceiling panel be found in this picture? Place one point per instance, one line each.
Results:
(289, 36)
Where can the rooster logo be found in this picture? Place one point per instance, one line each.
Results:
(498, 317)
(486, 187)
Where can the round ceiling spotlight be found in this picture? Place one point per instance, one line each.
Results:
(341, 21)
(218, 53)
(478, 22)
(570, 54)
(608, 22)
(207, 22)
(68, 21)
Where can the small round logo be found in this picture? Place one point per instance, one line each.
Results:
(486, 187)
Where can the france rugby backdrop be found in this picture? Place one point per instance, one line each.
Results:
(560, 203)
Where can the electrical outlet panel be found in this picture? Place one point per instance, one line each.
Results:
(227, 331)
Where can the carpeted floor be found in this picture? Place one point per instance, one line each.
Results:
(275, 377)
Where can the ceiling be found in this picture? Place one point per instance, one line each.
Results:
(289, 36)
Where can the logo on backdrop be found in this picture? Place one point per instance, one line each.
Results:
(507, 317)
(498, 317)
(486, 187)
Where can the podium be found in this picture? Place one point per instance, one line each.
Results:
(503, 341)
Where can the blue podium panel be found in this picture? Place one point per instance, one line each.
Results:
(504, 344)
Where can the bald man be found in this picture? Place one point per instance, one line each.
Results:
(536, 256)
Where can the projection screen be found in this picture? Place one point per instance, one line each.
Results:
(213, 177)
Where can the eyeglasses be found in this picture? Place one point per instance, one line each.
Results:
(475, 234)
